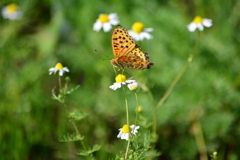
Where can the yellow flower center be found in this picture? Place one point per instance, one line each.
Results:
(11, 8)
(103, 18)
(198, 19)
(137, 27)
(126, 129)
(59, 66)
(120, 78)
(133, 87)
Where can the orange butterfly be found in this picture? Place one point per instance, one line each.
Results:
(126, 52)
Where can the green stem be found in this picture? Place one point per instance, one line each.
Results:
(172, 86)
(78, 133)
(126, 103)
(73, 123)
(190, 59)
(178, 77)
(136, 119)
(60, 83)
(128, 146)
(127, 116)
(197, 130)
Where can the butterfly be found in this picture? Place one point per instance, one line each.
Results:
(127, 54)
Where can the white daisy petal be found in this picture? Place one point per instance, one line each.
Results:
(52, 70)
(134, 35)
(148, 29)
(200, 26)
(125, 136)
(207, 22)
(145, 35)
(61, 72)
(112, 16)
(119, 134)
(130, 81)
(134, 129)
(115, 86)
(192, 27)
(114, 22)
(107, 27)
(97, 26)
(65, 69)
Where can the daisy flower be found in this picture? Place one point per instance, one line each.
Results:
(58, 67)
(121, 80)
(138, 32)
(125, 131)
(11, 12)
(198, 23)
(105, 21)
(133, 86)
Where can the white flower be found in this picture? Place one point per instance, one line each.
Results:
(199, 22)
(58, 67)
(11, 12)
(138, 32)
(121, 80)
(125, 131)
(133, 86)
(105, 21)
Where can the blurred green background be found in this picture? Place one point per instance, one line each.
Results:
(61, 31)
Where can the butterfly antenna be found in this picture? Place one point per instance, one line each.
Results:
(102, 54)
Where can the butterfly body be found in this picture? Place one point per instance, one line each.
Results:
(126, 52)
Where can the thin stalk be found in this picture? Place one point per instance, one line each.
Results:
(78, 133)
(190, 59)
(60, 83)
(127, 116)
(128, 146)
(197, 129)
(126, 103)
(178, 77)
(73, 123)
(136, 119)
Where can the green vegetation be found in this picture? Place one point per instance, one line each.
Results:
(199, 117)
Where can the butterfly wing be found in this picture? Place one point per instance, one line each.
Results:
(136, 59)
(122, 42)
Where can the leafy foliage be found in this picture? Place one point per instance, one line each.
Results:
(61, 31)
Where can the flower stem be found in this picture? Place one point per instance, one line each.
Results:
(60, 83)
(190, 59)
(197, 129)
(126, 103)
(78, 133)
(178, 77)
(128, 145)
(136, 119)
(73, 123)
(127, 116)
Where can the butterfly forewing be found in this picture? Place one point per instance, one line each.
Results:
(122, 42)
(126, 52)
